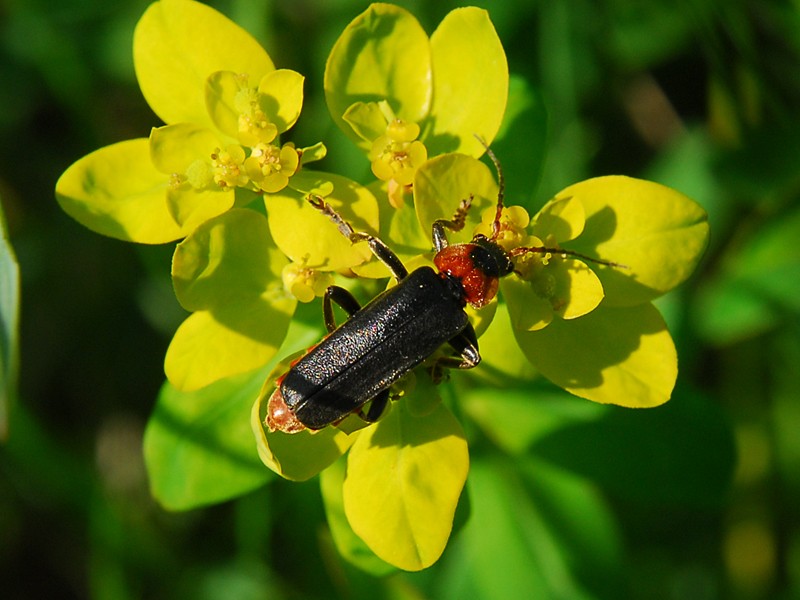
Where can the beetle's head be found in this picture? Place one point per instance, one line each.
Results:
(491, 258)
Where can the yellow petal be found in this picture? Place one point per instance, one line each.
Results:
(621, 356)
(382, 54)
(282, 97)
(657, 232)
(470, 79)
(404, 478)
(177, 45)
(116, 191)
(561, 219)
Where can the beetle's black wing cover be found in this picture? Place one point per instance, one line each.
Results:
(374, 348)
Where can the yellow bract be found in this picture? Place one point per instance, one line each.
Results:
(657, 233)
(177, 44)
(116, 191)
(404, 479)
(397, 154)
(228, 271)
(305, 284)
(454, 85)
(621, 356)
(310, 238)
(297, 456)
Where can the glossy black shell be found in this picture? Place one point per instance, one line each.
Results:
(379, 344)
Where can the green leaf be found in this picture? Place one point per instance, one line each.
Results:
(298, 456)
(229, 271)
(383, 54)
(404, 478)
(349, 545)
(198, 447)
(442, 182)
(537, 411)
(757, 287)
(658, 233)
(764, 162)
(470, 83)
(682, 453)
(9, 326)
(543, 528)
(621, 356)
(524, 126)
(309, 237)
(177, 45)
(116, 191)
(727, 312)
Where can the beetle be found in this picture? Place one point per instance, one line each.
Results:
(358, 361)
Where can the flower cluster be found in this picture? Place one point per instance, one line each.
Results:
(587, 266)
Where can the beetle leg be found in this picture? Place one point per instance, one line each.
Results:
(377, 407)
(344, 299)
(455, 224)
(381, 251)
(466, 344)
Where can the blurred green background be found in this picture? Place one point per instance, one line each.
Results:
(697, 499)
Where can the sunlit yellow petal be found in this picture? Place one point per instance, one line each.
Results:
(116, 191)
(177, 45)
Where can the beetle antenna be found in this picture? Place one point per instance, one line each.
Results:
(326, 209)
(561, 252)
(501, 184)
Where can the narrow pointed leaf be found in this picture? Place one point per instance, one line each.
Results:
(547, 529)
(9, 326)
